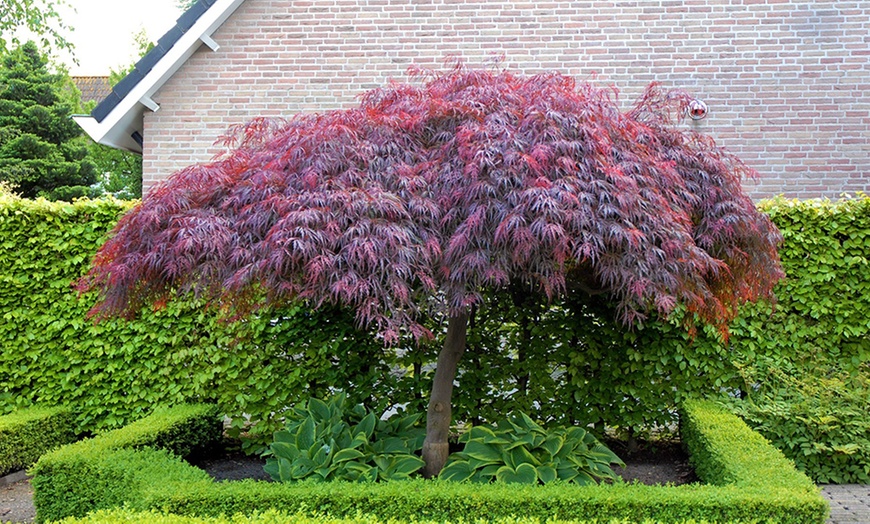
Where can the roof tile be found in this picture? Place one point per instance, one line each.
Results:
(105, 107)
(93, 87)
(146, 63)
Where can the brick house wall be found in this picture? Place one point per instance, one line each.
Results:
(787, 82)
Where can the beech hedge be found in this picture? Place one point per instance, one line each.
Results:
(569, 361)
(748, 481)
(115, 371)
(819, 422)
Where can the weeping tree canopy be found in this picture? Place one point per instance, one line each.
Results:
(428, 194)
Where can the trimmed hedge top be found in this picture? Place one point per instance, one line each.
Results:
(181, 430)
(725, 451)
(152, 480)
(30, 432)
(15, 420)
(121, 516)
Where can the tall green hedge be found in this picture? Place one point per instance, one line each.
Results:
(573, 361)
(115, 371)
(569, 361)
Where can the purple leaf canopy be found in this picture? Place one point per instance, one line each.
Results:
(429, 193)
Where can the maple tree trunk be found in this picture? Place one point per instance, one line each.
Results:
(435, 447)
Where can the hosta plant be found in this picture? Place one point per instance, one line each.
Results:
(331, 441)
(519, 450)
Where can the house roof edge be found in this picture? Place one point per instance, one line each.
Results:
(117, 119)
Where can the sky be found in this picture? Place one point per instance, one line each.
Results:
(102, 31)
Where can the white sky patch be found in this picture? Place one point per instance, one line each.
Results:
(102, 31)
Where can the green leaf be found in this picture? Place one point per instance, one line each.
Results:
(480, 432)
(406, 423)
(457, 471)
(391, 445)
(405, 465)
(553, 444)
(366, 426)
(284, 436)
(524, 474)
(584, 479)
(346, 454)
(602, 453)
(522, 456)
(567, 474)
(383, 462)
(305, 435)
(321, 455)
(530, 424)
(319, 410)
(485, 453)
(489, 472)
(527, 441)
(285, 470)
(271, 469)
(546, 473)
(284, 450)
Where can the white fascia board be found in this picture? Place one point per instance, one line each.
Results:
(119, 137)
(126, 118)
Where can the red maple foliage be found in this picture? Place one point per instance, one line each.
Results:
(424, 196)
(428, 194)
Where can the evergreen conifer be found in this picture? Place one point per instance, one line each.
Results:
(39, 153)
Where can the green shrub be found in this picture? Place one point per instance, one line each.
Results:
(122, 516)
(758, 485)
(570, 359)
(28, 433)
(328, 441)
(820, 422)
(519, 450)
(71, 485)
(185, 430)
(725, 451)
(116, 370)
(113, 467)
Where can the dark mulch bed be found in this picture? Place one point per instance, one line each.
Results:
(653, 463)
(661, 462)
(234, 465)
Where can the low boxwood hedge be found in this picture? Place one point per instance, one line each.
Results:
(28, 433)
(725, 451)
(122, 516)
(747, 481)
(105, 471)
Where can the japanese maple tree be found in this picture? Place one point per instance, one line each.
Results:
(428, 194)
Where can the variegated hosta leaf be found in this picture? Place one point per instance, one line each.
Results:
(518, 449)
(331, 441)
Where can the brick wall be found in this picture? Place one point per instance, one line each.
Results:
(787, 82)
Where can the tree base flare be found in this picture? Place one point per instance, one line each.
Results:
(435, 455)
